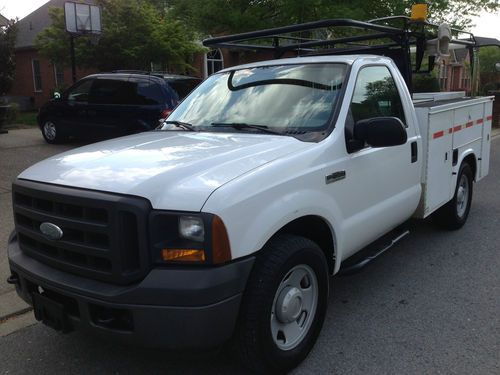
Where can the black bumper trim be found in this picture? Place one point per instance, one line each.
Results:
(170, 308)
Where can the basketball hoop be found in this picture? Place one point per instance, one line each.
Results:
(81, 18)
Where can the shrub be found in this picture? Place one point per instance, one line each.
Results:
(12, 113)
(425, 83)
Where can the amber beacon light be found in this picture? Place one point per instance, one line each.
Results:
(418, 12)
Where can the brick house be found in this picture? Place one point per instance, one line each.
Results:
(36, 77)
(453, 73)
(3, 21)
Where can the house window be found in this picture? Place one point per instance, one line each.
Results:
(37, 76)
(443, 77)
(58, 75)
(214, 62)
(465, 82)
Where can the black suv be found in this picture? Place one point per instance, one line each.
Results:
(107, 105)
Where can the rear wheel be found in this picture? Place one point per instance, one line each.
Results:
(51, 132)
(284, 305)
(453, 215)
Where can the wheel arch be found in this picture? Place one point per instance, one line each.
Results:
(470, 159)
(316, 229)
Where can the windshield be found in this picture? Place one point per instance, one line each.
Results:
(282, 98)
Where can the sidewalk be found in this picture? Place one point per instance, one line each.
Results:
(21, 147)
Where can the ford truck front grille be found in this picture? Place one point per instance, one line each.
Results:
(104, 235)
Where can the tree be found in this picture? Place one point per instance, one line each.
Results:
(488, 57)
(134, 35)
(7, 63)
(215, 17)
(489, 76)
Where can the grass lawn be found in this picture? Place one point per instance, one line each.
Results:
(26, 118)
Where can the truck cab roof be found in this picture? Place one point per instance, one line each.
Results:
(343, 59)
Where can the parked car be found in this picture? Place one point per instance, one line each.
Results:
(107, 105)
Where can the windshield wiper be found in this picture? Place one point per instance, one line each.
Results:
(182, 125)
(243, 125)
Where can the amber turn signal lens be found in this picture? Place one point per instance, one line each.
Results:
(221, 251)
(183, 255)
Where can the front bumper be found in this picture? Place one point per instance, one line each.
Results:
(171, 308)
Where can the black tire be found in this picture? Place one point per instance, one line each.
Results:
(453, 214)
(282, 256)
(51, 132)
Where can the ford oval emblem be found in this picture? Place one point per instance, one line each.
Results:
(51, 231)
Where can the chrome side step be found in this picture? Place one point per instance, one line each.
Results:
(364, 257)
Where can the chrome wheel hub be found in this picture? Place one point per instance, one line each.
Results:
(49, 130)
(294, 307)
(289, 305)
(462, 196)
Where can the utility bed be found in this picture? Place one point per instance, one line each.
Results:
(442, 143)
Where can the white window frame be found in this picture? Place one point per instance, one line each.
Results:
(207, 61)
(443, 77)
(35, 89)
(58, 84)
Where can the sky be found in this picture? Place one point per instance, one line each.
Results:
(486, 23)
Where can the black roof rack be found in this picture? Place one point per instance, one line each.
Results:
(347, 36)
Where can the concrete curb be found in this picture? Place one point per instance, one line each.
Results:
(495, 132)
(11, 304)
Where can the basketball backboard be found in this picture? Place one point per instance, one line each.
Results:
(82, 18)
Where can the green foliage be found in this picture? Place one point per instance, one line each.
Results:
(426, 82)
(135, 33)
(12, 113)
(488, 57)
(7, 63)
(215, 17)
(489, 76)
(27, 118)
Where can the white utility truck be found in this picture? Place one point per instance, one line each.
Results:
(227, 221)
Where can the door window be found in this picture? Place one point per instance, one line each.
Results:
(376, 95)
(80, 92)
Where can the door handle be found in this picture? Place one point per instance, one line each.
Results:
(414, 152)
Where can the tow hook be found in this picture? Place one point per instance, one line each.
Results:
(13, 279)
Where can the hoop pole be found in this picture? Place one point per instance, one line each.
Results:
(73, 62)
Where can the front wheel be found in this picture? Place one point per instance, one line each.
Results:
(51, 132)
(453, 214)
(284, 305)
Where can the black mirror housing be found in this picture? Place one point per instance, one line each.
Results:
(381, 131)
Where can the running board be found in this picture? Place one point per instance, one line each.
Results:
(365, 256)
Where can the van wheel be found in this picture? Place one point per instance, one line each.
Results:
(453, 214)
(284, 305)
(51, 133)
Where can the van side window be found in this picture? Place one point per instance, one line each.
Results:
(112, 91)
(148, 92)
(376, 95)
(80, 93)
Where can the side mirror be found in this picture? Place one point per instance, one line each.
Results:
(57, 95)
(381, 131)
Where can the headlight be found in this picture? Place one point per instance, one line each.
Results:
(197, 238)
(192, 228)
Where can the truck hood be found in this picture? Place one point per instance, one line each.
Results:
(173, 170)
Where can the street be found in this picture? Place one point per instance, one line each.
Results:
(430, 305)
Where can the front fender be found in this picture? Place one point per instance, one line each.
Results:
(252, 221)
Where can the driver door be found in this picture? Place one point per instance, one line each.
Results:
(384, 183)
